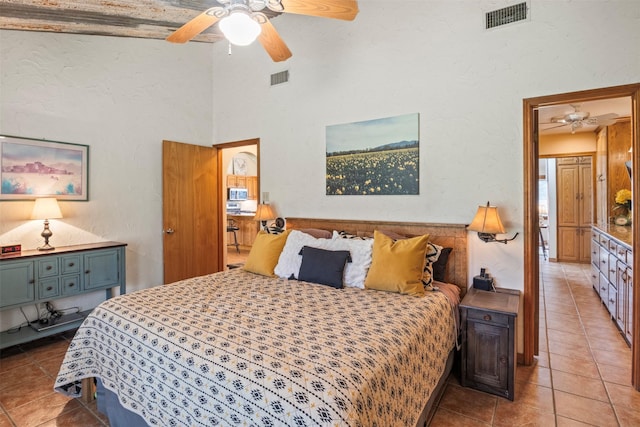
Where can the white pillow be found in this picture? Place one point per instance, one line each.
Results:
(356, 270)
(290, 260)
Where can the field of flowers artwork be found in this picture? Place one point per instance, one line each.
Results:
(374, 157)
(31, 168)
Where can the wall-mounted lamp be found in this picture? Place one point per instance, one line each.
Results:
(487, 223)
(46, 208)
(265, 213)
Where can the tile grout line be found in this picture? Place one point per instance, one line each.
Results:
(586, 335)
(546, 338)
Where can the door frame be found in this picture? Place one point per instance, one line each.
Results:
(530, 191)
(222, 222)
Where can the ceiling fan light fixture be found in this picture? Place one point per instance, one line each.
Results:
(239, 28)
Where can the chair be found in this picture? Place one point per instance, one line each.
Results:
(232, 227)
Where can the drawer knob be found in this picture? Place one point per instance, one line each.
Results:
(49, 267)
(71, 285)
(503, 360)
(49, 288)
(487, 317)
(71, 264)
(87, 272)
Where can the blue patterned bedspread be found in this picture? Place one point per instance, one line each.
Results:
(235, 348)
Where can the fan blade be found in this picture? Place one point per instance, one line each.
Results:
(195, 26)
(603, 118)
(336, 9)
(553, 127)
(273, 43)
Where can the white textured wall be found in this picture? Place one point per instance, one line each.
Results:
(121, 97)
(433, 58)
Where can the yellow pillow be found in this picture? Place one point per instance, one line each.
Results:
(265, 252)
(397, 266)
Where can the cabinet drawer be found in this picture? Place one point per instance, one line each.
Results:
(612, 272)
(595, 277)
(48, 288)
(603, 288)
(70, 284)
(70, 264)
(603, 265)
(595, 253)
(47, 267)
(603, 241)
(611, 300)
(489, 317)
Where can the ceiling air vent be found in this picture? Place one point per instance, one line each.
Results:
(279, 78)
(506, 15)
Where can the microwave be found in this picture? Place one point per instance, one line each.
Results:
(234, 193)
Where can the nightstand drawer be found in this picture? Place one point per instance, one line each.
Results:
(489, 317)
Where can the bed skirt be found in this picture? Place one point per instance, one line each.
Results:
(119, 416)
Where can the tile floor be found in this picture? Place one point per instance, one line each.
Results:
(581, 376)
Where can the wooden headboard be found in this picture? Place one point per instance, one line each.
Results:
(446, 235)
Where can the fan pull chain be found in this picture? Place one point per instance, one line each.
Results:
(229, 48)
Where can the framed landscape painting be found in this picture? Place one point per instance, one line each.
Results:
(374, 157)
(31, 168)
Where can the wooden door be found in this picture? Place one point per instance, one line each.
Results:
(585, 206)
(190, 211)
(568, 244)
(568, 195)
(585, 245)
(602, 201)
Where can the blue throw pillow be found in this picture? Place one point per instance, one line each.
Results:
(323, 266)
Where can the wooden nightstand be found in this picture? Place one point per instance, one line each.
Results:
(488, 321)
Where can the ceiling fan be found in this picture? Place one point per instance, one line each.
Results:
(241, 21)
(577, 119)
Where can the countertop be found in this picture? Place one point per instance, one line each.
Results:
(621, 233)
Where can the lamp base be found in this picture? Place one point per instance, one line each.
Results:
(46, 234)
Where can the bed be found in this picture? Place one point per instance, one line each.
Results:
(239, 348)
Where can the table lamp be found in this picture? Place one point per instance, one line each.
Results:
(46, 208)
(265, 213)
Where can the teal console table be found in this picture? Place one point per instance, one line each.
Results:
(34, 277)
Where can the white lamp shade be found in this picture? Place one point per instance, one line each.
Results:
(487, 220)
(239, 28)
(46, 208)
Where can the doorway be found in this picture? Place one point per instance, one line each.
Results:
(239, 167)
(531, 150)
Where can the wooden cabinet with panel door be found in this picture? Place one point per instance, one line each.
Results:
(575, 208)
(612, 151)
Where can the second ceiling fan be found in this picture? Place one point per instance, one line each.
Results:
(241, 21)
(576, 119)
